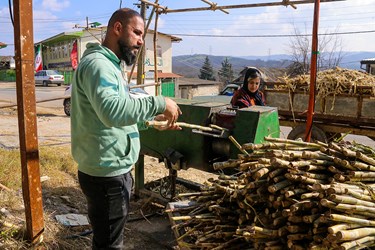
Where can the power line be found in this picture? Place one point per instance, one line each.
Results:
(295, 35)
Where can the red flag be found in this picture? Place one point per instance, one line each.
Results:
(38, 58)
(74, 56)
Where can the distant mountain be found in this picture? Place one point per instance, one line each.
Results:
(279, 57)
(189, 65)
(352, 60)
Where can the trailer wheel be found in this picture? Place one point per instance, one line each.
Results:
(299, 132)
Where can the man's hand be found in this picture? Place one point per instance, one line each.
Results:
(161, 117)
(172, 111)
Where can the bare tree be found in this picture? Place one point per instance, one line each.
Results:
(330, 52)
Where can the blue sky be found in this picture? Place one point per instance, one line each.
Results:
(213, 32)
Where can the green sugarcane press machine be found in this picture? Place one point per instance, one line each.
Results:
(194, 148)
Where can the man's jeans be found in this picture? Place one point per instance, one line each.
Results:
(108, 206)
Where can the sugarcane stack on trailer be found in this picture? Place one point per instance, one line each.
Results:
(344, 103)
(288, 194)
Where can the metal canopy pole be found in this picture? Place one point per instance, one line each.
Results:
(27, 124)
(215, 7)
(313, 70)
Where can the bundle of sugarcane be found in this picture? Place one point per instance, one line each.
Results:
(334, 81)
(288, 194)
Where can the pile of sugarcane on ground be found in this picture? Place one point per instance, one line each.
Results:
(287, 195)
(333, 82)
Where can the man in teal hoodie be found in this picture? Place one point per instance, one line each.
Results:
(104, 126)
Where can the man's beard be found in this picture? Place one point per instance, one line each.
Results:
(126, 53)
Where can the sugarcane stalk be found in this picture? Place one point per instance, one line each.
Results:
(362, 166)
(361, 196)
(276, 172)
(294, 192)
(276, 162)
(310, 218)
(231, 138)
(183, 124)
(349, 153)
(351, 220)
(309, 175)
(260, 173)
(343, 163)
(324, 163)
(279, 178)
(362, 242)
(227, 177)
(265, 231)
(350, 200)
(334, 170)
(312, 167)
(339, 227)
(339, 177)
(316, 155)
(248, 165)
(362, 174)
(355, 209)
(276, 187)
(226, 164)
(360, 179)
(310, 195)
(297, 229)
(355, 234)
(304, 179)
(293, 142)
(295, 219)
(187, 217)
(298, 164)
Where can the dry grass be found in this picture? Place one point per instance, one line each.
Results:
(61, 194)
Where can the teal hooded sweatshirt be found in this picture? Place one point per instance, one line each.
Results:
(104, 118)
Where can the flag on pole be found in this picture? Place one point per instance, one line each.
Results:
(74, 56)
(38, 58)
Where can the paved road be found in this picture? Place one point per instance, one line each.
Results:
(8, 94)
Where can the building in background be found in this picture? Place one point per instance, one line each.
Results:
(369, 65)
(56, 54)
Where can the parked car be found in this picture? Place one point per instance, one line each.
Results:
(223, 97)
(66, 103)
(47, 77)
(133, 92)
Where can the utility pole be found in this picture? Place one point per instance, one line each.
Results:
(141, 59)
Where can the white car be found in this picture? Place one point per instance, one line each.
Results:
(224, 97)
(134, 92)
(47, 77)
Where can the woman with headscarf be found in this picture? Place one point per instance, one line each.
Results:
(249, 94)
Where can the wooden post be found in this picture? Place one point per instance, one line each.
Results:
(141, 58)
(24, 55)
(155, 52)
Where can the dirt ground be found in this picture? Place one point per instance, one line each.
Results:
(149, 227)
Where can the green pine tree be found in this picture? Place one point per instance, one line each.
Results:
(207, 72)
(226, 71)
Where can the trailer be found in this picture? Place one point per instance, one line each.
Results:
(334, 114)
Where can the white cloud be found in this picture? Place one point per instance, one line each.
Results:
(55, 5)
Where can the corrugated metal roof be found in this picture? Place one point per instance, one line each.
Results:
(368, 61)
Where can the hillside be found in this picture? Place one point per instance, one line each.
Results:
(189, 65)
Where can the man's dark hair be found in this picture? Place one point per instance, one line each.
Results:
(122, 15)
